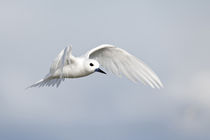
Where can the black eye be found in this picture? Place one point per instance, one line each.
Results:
(91, 64)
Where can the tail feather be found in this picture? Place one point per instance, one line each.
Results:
(47, 82)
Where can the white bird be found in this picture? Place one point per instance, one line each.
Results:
(114, 59)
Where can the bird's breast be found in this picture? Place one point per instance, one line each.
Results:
(71, 72)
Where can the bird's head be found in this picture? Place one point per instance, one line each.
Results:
(93, 66)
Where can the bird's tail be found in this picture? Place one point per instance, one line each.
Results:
(47, 81)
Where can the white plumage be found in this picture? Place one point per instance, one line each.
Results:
(114, 59)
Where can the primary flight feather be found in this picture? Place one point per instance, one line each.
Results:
(114, 59)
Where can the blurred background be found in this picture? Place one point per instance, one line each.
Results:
(172, 37)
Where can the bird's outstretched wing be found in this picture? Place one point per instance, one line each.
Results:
(61, 60)
(120, 62)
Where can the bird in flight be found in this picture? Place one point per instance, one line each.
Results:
(113, 59)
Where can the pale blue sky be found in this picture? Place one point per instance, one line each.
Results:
(172, 37)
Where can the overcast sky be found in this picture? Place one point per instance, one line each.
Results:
(172, 37)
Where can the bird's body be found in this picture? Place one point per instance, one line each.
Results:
(74, 70)
(114, 59)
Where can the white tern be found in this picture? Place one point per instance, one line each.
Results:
(113, 59)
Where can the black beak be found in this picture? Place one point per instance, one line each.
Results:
(99, 70)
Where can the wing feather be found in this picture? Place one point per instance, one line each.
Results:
(61, 60)
(120, 62)
(64, 58)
